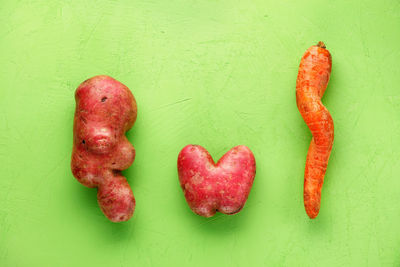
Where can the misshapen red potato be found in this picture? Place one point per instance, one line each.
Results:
(223, 186)
(105, 110)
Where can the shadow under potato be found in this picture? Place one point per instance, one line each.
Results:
(219, 224)
(85, 199)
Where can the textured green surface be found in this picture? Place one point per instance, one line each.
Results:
(215, 73)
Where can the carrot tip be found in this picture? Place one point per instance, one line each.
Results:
(313, 216)
(312, 211)
(321, 44)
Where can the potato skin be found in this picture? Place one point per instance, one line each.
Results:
(105, 110)
(223, 186)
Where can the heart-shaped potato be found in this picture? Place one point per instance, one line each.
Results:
(223, 186)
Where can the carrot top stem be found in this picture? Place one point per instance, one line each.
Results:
(321, 44)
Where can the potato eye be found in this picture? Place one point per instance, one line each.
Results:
(104, 99)
(83, 142)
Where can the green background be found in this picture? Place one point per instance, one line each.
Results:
(215, 73)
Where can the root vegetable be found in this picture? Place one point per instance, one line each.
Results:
(105, 110)
(312, 80)
(223, 186)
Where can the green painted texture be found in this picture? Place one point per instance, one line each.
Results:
(216, 73)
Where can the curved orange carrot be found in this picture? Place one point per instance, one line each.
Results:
(312, 80)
